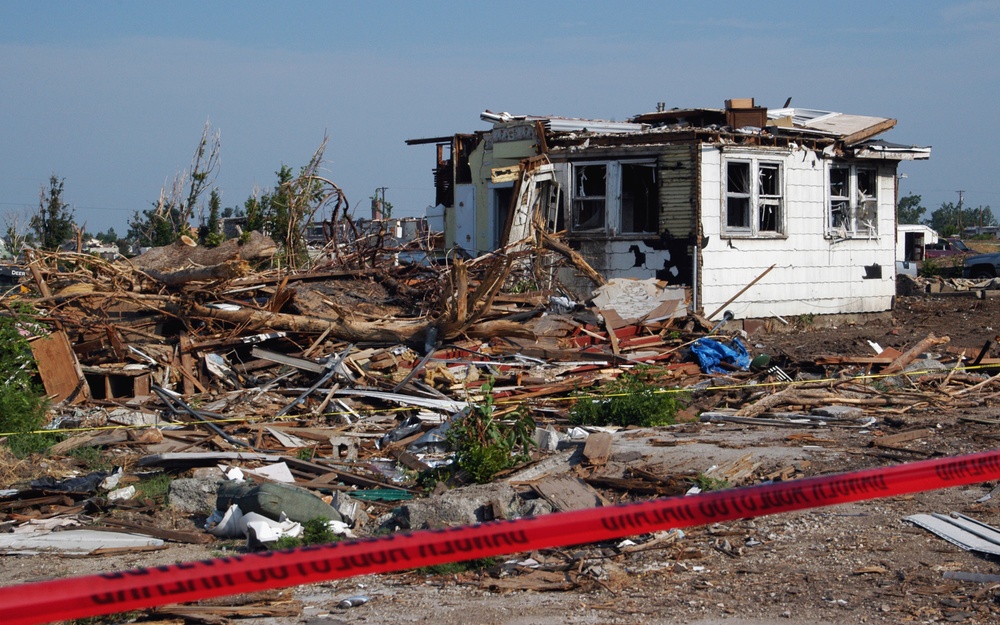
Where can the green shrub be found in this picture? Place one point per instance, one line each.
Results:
(317, 532)
(706, 483)
(632, 399)
(930, 268)
(485, 445)
(314, 532)
(22, 402)
(454, 568)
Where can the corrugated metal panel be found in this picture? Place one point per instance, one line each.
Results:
(678, 189)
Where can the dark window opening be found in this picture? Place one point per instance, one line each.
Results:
(590, 196)
(640, 208)
(738, 195)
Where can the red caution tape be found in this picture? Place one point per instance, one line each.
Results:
(144, 588)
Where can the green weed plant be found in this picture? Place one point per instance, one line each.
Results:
(633, 398)
(486, 445)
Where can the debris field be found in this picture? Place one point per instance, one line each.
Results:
(185, 382)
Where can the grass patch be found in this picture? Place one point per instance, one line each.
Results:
(155, 487)
(706, 483)
(91, 459)
(109, 619)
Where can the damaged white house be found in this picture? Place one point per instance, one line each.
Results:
(800, 200)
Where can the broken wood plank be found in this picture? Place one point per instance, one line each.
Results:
(911, 354)
(641, 487)
(177, 536)
(285, 359)
(343, 476)
(566, 492)
(597, 449)
(895, 439)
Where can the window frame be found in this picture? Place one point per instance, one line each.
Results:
(577, 197)
(614, 217)
(756, 201)
(860, 207)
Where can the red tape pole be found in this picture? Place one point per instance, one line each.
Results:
(79, 597)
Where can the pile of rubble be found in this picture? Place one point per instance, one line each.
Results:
(269, 398)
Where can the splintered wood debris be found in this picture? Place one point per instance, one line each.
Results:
(192, 364)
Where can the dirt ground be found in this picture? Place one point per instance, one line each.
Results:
(857, 563)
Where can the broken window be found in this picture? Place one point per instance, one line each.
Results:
(619, 198)
(640, 206)
(738, 195)
(754, 198)
(589, 196)
(769, 197)
(853, 201)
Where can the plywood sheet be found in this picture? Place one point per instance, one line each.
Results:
(59, 369)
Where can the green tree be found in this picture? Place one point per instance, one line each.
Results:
(945, 219)
(273, 214)
(268, 212)
(210, 233)
(284, 211)
(53, 223)
(950, 220)
(979, 216)
(110, 237)
(909, 210)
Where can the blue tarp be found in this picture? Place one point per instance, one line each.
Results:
(710, 353)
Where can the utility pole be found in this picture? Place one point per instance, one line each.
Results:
(378, 204)
(960, 194)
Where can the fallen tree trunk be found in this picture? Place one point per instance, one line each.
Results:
(411, 331)
(395, 331)
(223, 271)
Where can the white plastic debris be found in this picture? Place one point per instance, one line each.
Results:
(578, 434)
(227, 525)
(112, 480)
(122, 494)
(259, 527)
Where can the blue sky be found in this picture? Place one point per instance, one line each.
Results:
(112, 96)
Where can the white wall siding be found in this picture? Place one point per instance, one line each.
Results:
(813, 274)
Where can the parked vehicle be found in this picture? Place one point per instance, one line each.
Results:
(11, 274)
(946, 247)
(981, 266)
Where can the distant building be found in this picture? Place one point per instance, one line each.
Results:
(973, 231)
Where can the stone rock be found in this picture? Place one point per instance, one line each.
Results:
(547, 439)
(193, 495)
(838, 412)
(460, 506)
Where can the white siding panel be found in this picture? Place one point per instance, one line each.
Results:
(812, 274)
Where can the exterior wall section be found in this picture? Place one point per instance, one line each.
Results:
(816, 272)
